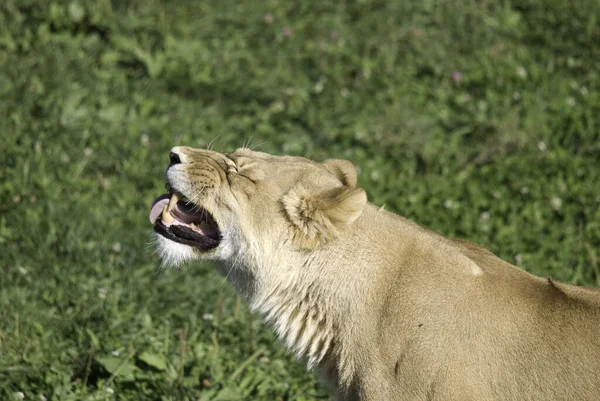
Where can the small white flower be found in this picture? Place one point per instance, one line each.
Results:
(584, 91)
(516, 96)
(208, 316)
(319, 86)
(556, 203)
(344, 92)
(278, 106)
(145, 139)
(484, 216)
(542, 146)
(110, 390)
(88, 151)
(101, 293)
(104, 182)
(522, 72)
(116, 247)
(449, 204)
(19, 395)
(524, 190)
(518, 258)
(571, 101)
(43, 397)
(115, 352)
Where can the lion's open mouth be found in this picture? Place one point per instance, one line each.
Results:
(179, 220)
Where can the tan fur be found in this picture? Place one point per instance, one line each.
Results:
(382, 308)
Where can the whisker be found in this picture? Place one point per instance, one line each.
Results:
(233, 266)
(248, 143)
(211, 142)
(254, 147)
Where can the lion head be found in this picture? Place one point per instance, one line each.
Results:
(245, 206)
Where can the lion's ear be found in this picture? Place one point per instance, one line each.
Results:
(343, 170)
(318, 215)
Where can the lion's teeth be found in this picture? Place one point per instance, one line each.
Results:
(166, 216)
(166, 213)
(172, 202)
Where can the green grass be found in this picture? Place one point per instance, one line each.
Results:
(478, 119)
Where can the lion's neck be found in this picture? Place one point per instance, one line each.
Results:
(301, 318)
(315, 301)
(312, 304)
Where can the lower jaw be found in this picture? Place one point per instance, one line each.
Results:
(186, 236)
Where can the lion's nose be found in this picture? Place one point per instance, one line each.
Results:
(174, 158)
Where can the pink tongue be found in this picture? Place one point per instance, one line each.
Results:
(157, 207)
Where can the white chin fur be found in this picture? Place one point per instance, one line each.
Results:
(173, 253)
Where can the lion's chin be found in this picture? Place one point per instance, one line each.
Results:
(173, 253)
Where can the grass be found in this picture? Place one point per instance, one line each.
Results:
(478, 119)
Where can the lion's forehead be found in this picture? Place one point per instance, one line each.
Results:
(272, 166)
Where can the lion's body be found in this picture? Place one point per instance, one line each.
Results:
(382, 308)
(447, 320)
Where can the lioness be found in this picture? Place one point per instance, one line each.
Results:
(382, 308)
